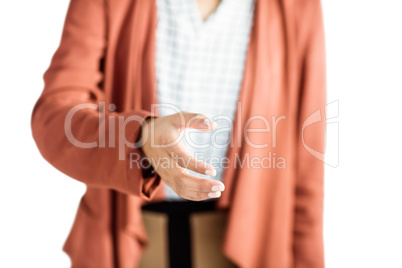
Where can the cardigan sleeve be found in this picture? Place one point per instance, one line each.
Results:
(71, 126)
(308, 228)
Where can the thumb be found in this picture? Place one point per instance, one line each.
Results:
(194, 120)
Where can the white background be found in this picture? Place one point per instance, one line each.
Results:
(363, 202)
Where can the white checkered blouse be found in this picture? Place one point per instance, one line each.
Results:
(199, 69)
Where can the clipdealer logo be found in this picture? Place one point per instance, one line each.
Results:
(331, 154)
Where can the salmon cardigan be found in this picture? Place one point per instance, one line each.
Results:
(107, 56)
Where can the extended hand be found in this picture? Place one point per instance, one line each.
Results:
(165, 132)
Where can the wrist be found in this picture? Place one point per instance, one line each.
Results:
(144, 134)
(147, 169)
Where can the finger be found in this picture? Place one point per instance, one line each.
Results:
(198, 166)
(194, 120)
(199, 196)
(180, 155)
(179, 180)
(192, 183)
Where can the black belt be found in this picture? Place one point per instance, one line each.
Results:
(179, 227)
